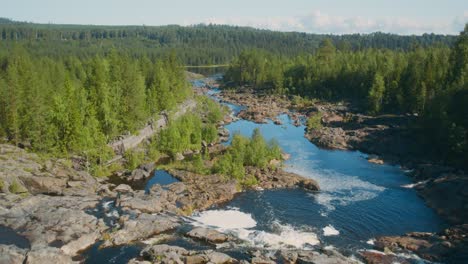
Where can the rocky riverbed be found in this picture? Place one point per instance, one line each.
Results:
(61, 211)
(387, 138)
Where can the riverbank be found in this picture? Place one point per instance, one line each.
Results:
(66, 211)
(388, 140)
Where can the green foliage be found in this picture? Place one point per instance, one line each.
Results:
(133, 158)
(210, 110)
(254, 151)
(16, 188)
(76, 105)
(430, 82)
(314, 121)
(209, 133)
(182, 134)
(194, 45)
(376, 94)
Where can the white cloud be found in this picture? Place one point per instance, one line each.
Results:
(318, 22)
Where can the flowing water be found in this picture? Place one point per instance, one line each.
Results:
(357, 202)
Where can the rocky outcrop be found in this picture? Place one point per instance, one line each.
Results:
(142, 227)
(173, 254)
(12, 254)
(329, 138)
(260, 107)
(208, 235)
(278, 178)
(48, 255)
(23, 172)
(202, 191)
(448, 195)
(53, 221)
(449, 246)
(377, 257)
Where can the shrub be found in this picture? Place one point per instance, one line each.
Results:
(314, 122)
(133, 158)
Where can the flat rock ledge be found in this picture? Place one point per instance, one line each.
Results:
(448, 246)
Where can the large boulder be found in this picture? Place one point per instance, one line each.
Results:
(12, 254)
(142, 227)
(448, 246)
(209, 235)
(59, 221)
(48, 255)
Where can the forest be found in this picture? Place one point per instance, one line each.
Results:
(430, 82)
(75, 105)
(194, 45)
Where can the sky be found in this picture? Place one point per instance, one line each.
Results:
(312, 16)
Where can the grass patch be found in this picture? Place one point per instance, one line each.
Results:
(314, 122)
(16, 188)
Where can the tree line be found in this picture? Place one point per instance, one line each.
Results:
(194, 45)
(74, 105)
(428, 81)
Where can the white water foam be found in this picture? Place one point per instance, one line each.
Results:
(225, 219)
(329, 230)
(412, 185)
(337, 188)
(371, 242)
(241, 225)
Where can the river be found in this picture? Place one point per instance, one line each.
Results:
(357, 202)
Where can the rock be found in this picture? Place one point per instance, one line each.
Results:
(219, 258)
(145, 205)
(105, 190)
(81, 243)
(375, 257)
(196, 259)
(208, 235)
(331, 118)
(268, 179)
(48, 255)
(200, 192)
(275, 163)
(449, 246)
(327, 256)
(148, 167)
(164, 253)
(309, 184)
(288, 256)
(46, 220)
(448, 195)
(12, 254)
(123, 188)
(375, 159)
(25, 172)
(136, 261)
(223, 132)
(179, 156)
(138, 175)
(328, 137)
(48, 185)
(277, 122)
(285, 156)
(142, 227)
(262, 260)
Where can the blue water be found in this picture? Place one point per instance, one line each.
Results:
(359, 199)
(10, 237)
(160, 177)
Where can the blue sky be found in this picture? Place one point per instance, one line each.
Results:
(317, 16)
